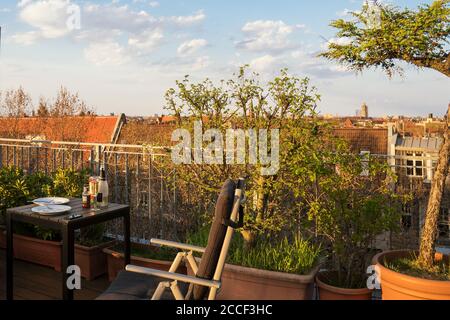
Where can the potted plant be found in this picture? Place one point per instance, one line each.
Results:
(349, 201)
(141, 255)
(422, 274)
(406, 274)
(281, 268)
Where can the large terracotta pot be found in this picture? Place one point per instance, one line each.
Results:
(329, 292)
(398, 286)
(115, 262)
(42, 252)
(242, 283)
(91, 260)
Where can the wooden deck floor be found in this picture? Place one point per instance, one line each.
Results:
(33, 282)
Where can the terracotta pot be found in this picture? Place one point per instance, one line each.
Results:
(242, 283)
(91, 260)
(329, 292)
(115, 262)
(398, 286)
(46, 253)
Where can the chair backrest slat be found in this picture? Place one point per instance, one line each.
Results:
(217, 235)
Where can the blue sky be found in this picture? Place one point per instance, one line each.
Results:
(126, 54)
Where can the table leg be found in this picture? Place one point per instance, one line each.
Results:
(126, 235)
(68, 259)
(9, 257)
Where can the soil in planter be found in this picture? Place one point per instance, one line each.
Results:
(409, 266)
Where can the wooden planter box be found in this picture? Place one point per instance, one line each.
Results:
(91, 260)
(116, 263)
(242, 283)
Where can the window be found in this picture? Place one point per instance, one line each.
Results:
(414, 166)
(444, 224)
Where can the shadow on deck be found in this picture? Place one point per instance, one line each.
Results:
(34, 282)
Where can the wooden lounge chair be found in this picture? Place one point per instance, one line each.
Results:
(136, 283)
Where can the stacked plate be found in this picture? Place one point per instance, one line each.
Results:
(52, 206)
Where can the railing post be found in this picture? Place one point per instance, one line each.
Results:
(72, 160)
(46, 161)
(63, 159)
(29, 160)
(14, 157)
(116, 178)
(37, 158)
(127, 200)
(1, 157)
(138, 190)
(91, 161)
(54, 160)
(150, 187)
(22, 157)
(98, 158)
(104, 160)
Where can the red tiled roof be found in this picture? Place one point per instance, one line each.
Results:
(98, 129)
(365, 139)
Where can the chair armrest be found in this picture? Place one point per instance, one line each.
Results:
(181, 246)
(173, 276)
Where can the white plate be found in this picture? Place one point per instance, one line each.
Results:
(51, 210)
(51, 200)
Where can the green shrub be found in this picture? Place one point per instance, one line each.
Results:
(68, 183)
(17, 189)
(297, 256)
(14, 190)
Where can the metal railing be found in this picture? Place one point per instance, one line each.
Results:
(145, 178)
(140, 176)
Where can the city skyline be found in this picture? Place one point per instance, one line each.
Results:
(126, 54)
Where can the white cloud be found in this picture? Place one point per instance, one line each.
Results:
(191, 46)
(106, 54)
(146, 41)
(26, 38)
(48, 17)
(267, 35)
(23, 3)
(110, 26)
(185, 21)
(264, 63)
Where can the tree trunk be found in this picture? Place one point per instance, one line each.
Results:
(430, 228)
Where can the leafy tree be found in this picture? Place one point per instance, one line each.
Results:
(244, 103)
(420, 38)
